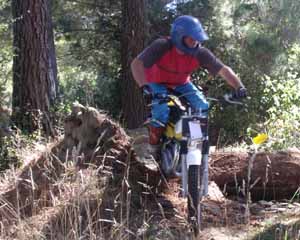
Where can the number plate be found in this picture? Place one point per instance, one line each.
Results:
(195, 130)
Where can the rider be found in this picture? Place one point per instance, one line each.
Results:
(169, 62)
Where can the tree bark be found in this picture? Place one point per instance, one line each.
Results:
(273, 175)
(133, 35)
(34, 65)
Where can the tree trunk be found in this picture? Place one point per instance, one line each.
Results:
(273, 175)
(133, 35)
(34, 65)
(52, 57)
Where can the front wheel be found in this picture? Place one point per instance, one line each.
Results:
(194, 211)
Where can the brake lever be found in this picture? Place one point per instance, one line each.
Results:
(230, 99)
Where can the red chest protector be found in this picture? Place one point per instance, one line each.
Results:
(172, 69)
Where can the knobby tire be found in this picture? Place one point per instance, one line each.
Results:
(194, 197)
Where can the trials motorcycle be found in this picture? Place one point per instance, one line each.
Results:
(184, 152)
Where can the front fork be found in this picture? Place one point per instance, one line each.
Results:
(203, 170)
(184, 176)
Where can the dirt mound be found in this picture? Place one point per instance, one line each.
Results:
(87, 184)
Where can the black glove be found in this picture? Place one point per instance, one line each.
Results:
(241, 92)
(147, 93)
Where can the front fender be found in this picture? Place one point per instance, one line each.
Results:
(193, 157)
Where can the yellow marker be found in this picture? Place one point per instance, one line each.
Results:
(260, 138)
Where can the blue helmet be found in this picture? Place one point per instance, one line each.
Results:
(187, 26)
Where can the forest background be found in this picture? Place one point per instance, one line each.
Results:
(95, 41)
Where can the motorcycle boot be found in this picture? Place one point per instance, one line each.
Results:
(152, 151)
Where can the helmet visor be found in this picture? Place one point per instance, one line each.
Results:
(200, 36)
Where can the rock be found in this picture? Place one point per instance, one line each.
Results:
(256, 208)
(212, 207)
(296, 204)
(265, 203)
(214, 193)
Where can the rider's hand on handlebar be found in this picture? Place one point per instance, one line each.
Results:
(241, 92)
(147, 93)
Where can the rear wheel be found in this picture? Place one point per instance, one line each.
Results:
(194, 211)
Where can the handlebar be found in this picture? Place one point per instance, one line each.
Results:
(228, 98)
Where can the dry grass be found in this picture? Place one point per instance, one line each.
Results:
(59, 194)
(102, 193)
(87, 203)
